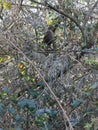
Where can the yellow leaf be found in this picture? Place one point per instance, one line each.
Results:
(2, 59)
(23, 72)
(7, 5)
(9, 81)
(49, 22)
(21, 66)
(33, 79)
(8, 57)
(4, 94)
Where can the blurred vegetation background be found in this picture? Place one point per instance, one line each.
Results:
(48, 64)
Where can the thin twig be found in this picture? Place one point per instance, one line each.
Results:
(89, 13)
(70, 17)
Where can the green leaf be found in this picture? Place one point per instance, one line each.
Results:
(5, 90)
(40, 111)
(48, 111)
(77, 102)
(26, 103)
(88, 126)
(18, 118)
(92, 62)
(12, 110)
(13, 99)
(34, 94)
(52, 112)
(2, 109)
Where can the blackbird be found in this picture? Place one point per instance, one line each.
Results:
(49, 37)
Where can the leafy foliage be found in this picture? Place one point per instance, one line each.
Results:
(41, 87)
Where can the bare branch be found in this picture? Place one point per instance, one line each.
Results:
(68, 16)
(89, 13)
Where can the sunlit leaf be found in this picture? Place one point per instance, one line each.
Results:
(49, 22)
(7, 5)
(88, 126)
(9, 81)
(21, 66)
